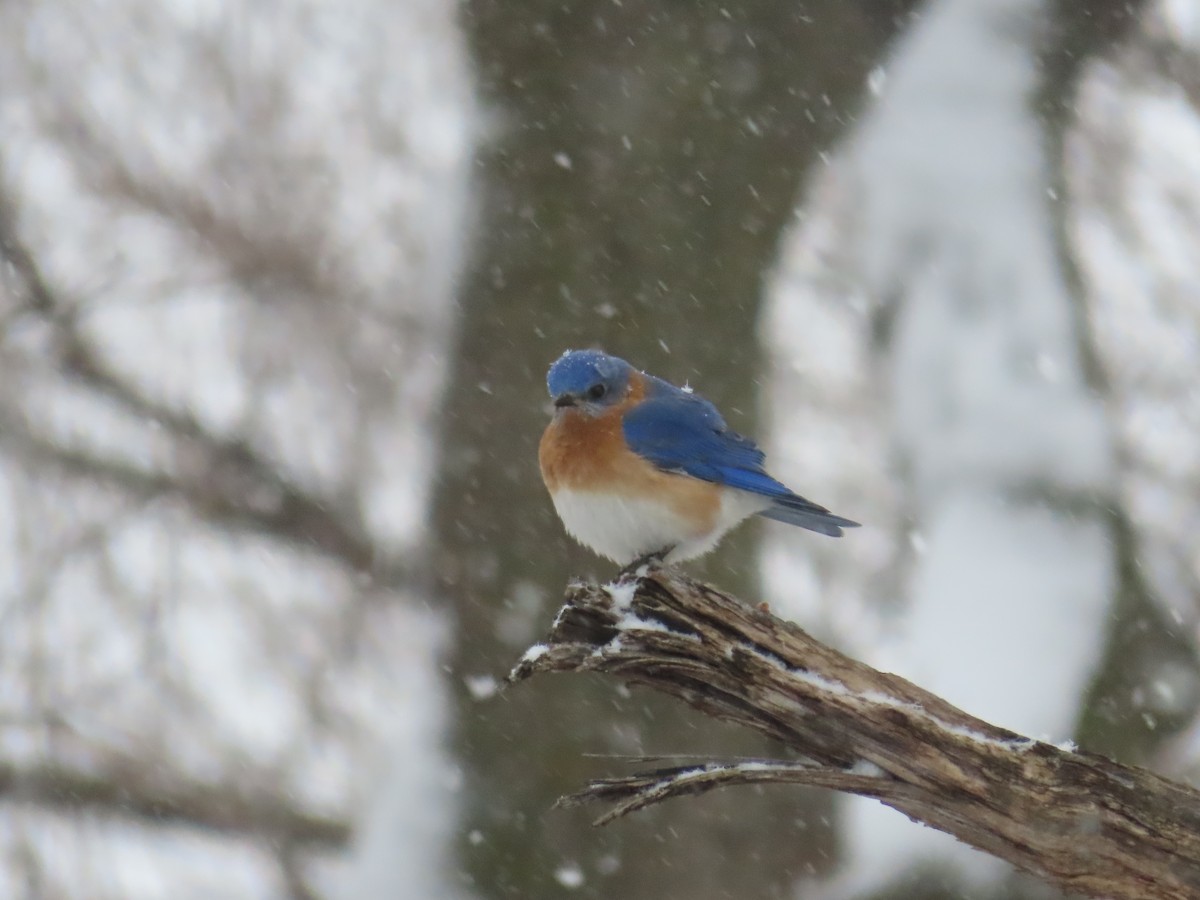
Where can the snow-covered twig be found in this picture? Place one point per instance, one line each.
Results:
(1084, 823)
(634, 792)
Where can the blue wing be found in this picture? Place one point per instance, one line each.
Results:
(680, 432)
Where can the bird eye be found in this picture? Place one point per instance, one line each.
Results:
(596, 391)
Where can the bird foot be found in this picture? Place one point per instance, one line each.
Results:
(651, 561)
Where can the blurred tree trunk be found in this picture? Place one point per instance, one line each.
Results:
(944, 225)
(1140, 636)
(645, 161)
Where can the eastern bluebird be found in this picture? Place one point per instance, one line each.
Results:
(636, 466)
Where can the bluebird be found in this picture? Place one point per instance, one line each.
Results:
(638, 467)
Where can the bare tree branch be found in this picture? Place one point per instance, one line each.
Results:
(291, 866)
(1084, 823)
(138, 794)
(225, 480)
(634, 792)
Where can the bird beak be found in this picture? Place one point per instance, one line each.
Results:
(563, 400)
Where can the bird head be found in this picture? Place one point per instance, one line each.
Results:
(588, 380)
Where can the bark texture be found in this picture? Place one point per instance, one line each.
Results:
(1083, 822)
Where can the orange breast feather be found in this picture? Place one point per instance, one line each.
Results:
(588, 453)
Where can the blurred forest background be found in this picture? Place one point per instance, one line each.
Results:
(280, 284)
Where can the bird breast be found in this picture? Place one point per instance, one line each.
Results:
(619, 504)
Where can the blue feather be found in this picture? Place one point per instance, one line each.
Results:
(681, 432)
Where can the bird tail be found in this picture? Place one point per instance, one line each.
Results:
(795, 510)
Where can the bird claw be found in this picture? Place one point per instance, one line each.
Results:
(651, 561)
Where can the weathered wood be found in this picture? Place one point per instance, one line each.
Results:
(1082, 822)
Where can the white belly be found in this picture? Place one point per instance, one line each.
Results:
(624, 528)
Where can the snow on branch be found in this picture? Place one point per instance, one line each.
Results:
(1086, 824)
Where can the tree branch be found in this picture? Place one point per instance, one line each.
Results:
(1084, 823)
(634, 792)
(140, 795)
(225, 480)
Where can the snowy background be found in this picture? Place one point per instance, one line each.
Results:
(280, 282)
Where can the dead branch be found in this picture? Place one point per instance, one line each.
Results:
(1087, 824)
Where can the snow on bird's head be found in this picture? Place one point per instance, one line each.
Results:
(591, 374)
